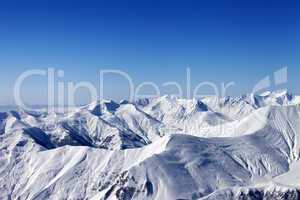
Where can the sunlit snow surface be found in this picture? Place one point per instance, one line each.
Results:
(160, 148)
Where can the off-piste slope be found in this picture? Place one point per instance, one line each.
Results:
(176, 166)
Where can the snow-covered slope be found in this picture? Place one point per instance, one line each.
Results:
(161, 148)
(189, 116)
(239, 107)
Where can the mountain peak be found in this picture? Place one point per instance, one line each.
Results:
(99, 107)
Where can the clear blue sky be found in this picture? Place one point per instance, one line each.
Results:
(220, 41)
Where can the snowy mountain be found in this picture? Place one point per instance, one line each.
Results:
(161, 148)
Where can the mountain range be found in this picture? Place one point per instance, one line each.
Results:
(160, 148)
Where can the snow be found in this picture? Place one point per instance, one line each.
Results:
(291, 178)
(160, 148)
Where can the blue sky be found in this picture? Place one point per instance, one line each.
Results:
(221, 41)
